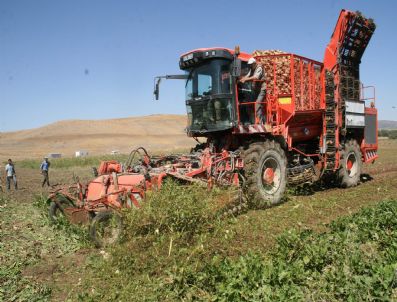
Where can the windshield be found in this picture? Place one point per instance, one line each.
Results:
(211, 78)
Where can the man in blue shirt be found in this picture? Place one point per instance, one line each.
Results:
(45, 166)
(11, 175)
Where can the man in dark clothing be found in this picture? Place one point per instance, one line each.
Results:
(45, 166)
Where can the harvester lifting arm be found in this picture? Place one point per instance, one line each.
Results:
(157, 81)
(141, 152)
(348, 41)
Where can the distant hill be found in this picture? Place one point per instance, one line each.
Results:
(155, 132)
(383, 124)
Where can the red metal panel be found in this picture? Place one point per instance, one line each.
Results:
(301, 86)
(310, 83)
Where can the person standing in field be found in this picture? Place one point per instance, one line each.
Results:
(11, 175)
(45, 166)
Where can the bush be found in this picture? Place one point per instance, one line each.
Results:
(392, 134)
(173, 209)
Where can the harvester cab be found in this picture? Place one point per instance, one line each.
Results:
(211, 75)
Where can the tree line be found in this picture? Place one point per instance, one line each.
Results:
(392, 134)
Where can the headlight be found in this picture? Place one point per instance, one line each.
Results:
(188, 57)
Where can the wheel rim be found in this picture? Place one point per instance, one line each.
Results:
(351, 164)
(271, 175)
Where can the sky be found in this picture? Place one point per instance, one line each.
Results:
(96, 59)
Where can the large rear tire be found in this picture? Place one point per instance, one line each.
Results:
(350, 165)
(106, 229)
(266, 173)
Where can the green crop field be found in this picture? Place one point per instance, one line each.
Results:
(323, 244)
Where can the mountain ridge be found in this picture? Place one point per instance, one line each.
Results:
(158, 132)
(155, 132)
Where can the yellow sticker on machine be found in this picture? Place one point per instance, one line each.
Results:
(284, 100)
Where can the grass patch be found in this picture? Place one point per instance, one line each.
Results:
(73, 236)
(67, 162)
(28, 243)
(87, 161)
(14, 257)
(40, 262)
(390, 133)
(14, 287)
(175, 209)
(170, 230)
(167, 257)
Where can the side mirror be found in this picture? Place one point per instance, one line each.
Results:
(157, 80)
(236, 68)
(156, 91)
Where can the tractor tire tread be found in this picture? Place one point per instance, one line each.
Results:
(252, 157)
(345, 181)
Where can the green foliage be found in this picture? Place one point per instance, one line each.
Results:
(169, 231)
(166, 257)
(383, 133)
(67, 162)
(355, 261)
(174, 209)
(75, 236)
(15, 255)
(3, 201)
(392, 134)
(172, 251)
(14, 287)
(86, 161)
(23, 247)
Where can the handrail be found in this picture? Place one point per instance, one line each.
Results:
(362, 96)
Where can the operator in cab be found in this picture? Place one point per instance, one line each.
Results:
(257, 76)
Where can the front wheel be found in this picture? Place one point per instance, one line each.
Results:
(266, 173)
(57, 208)
(106, 228)
(350, 165)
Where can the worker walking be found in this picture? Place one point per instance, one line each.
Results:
(11, 175)
(257, 75)
(45, 166)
